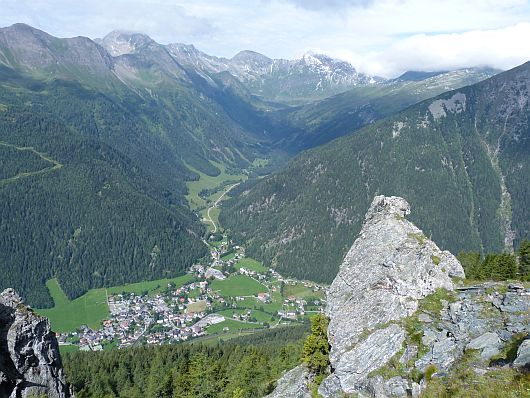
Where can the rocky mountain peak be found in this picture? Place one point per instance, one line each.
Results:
(387, 206)
(390, 267)
(30, 364)
(248, 55)
(120, 42)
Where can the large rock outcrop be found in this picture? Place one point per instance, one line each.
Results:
(30, 364)
(388, 270)
(397, 320)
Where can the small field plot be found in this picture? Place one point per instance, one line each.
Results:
(251, 264)
(228, 257)
(300, 290)
(198, 306)
(67, 315)
(260, 316)
(68, 348)
(276, 303)
(233, 326)
(238, 285)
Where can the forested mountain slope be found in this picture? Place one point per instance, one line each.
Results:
(96, 151)
(462, 160)
(100, 204)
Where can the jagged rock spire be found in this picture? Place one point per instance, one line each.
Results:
(30, 364)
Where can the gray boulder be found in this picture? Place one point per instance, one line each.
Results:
(488, 342)
(30, 363)
(293, 384)
(523, 355)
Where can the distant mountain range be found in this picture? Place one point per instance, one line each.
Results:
(98, 139)
(314, 76)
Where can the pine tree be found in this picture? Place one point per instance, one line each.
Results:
(505, 267)
(316, 347)
(524, 260)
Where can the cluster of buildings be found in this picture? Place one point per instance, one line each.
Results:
(180, 313)
(154, 320)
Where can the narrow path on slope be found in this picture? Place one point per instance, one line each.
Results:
(208, 216)
(56, 164)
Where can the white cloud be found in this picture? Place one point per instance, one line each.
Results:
(499, 48)
(378, 36)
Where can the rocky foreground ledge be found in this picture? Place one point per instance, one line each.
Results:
(30, 364)
(397, 318)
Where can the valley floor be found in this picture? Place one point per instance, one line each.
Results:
(227, 297)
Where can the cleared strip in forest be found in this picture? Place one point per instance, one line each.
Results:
(55, 163)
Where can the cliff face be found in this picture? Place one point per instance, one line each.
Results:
(389, 268)
(30, 364)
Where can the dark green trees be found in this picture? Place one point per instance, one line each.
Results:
(316, 350)
(245, 367)
(498, 267)
(524, 260)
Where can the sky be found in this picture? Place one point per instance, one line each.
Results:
(379, 37)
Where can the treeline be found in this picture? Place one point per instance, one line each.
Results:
(243, 368)
(499, 267)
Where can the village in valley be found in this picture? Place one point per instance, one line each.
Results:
(230, 296)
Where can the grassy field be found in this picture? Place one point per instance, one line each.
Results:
(228, 256)
(68, 348)
(208, 182)
(92, 308)
(259, 315)
(250, 264)
(300, 290)
(232, 325)
(152, 287)
(89, 309)
(238, 285)
(211, 340)
(276, 303)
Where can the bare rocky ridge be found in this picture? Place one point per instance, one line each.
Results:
(30, 364)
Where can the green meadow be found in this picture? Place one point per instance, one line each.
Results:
(67, 315)
(299, 290)
(208, 182)
(238, 285)
(250, 264)
(232, 325)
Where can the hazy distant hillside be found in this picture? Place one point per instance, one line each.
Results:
(462, 160)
